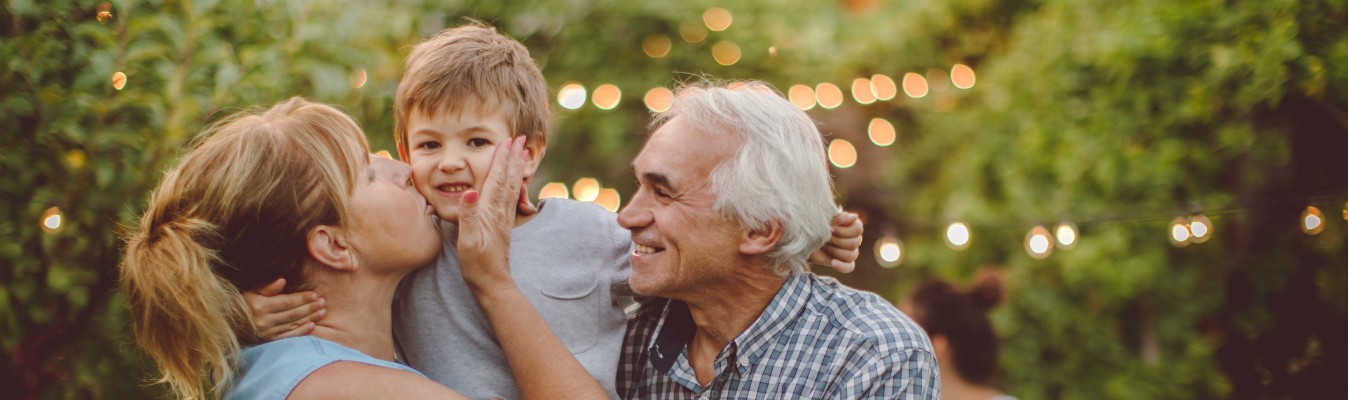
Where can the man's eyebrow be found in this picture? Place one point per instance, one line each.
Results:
(657, 179)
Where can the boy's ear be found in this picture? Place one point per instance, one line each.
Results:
(537, 148)
(329, 245)
(758, 242)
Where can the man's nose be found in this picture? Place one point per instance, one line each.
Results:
(634, 215)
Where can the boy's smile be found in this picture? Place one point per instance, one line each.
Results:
(451, 153)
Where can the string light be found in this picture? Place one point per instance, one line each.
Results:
(772, 51)
(51, 220)
(606, 96)
(1179, 232)
(962, 76)
(1200, 228)
(553, 189)
(883, 87)
(889, 251)
(862, 91)
(1038, 244)
(717, 19)
(828, 95)
(358, 78)
(118, 80)
(957, 236)
(802, 96)
(881, 132)
(725, 52)
(841, 153)
(572, 96)
(609, 199)
(1312, 221)
(384, 153)
(656, 46)
(75, 158)
(914, 85)
(586, 189)
(104, 12)
(659, 99)
(1065, 235)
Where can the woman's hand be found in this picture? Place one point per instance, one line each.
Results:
(486, 218)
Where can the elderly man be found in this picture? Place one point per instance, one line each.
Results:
(734, 195)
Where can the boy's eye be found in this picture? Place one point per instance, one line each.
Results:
(478, 142)
(430, 145)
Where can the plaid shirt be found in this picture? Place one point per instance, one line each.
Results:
(817, 339)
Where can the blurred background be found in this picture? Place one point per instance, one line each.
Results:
(1163, 185)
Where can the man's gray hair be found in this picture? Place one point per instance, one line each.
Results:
(780, 173)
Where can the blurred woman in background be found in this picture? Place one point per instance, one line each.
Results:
(956, 321)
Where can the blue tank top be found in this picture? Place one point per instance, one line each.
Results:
(272, 370)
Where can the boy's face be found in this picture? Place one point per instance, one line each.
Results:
(451, 153)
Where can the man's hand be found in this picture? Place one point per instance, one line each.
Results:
(279, 316)
(843, 248)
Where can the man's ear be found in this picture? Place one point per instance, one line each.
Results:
(331, 248)
(761, 241)
(537, 148)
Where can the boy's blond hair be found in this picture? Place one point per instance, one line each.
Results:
(468, 67)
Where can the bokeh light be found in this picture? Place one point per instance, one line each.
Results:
(585, 189)
(883, 87)
(841, 153)
(802, 96)
(962, 76)
(1065, 235)
(358, 78)
(1200, 228)
(609, 199)
(1038, 243)
(606, 96)
(572, 96)
(693, 33)
(717, 19)
(725, 52)
(118, 80)
(52, 220)
(772, 51)
(957, 236)
(1179, 232)
(656, 46)
(828, 95)
(889, 251)
(862, 92)
(659, 99)
(1312, 221)
(914, 85)
(104, 17)
(384, 153)
(882, 132)
(553, 189)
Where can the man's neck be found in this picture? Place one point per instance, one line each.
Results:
(722, 317)
(360, 316)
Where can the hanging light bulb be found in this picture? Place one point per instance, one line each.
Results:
(1066, 235)
(1312, 221)
(1179, 232)
(957, 236)
(1200, 228)
(889, 251)
(1038, 243)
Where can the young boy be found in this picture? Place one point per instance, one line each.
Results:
(464, 91)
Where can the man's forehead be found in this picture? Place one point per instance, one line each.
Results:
(676, 148)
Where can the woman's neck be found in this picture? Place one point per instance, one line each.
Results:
(360, 314)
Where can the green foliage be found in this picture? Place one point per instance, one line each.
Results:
(1103, 112)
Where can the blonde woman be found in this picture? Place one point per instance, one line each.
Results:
(292, 192)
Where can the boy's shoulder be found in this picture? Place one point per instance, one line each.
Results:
(569, 210)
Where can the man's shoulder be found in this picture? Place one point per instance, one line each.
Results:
(866, 314)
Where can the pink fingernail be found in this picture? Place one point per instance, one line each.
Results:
(470, 197)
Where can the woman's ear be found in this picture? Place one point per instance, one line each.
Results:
(761, 241)
(330, 247)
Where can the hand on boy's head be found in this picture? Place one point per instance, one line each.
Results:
(279, 316)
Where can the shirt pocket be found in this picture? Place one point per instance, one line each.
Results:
(571, 305)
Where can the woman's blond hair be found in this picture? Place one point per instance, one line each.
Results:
(232, 216)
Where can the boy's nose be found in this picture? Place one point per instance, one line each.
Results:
(451, 163)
